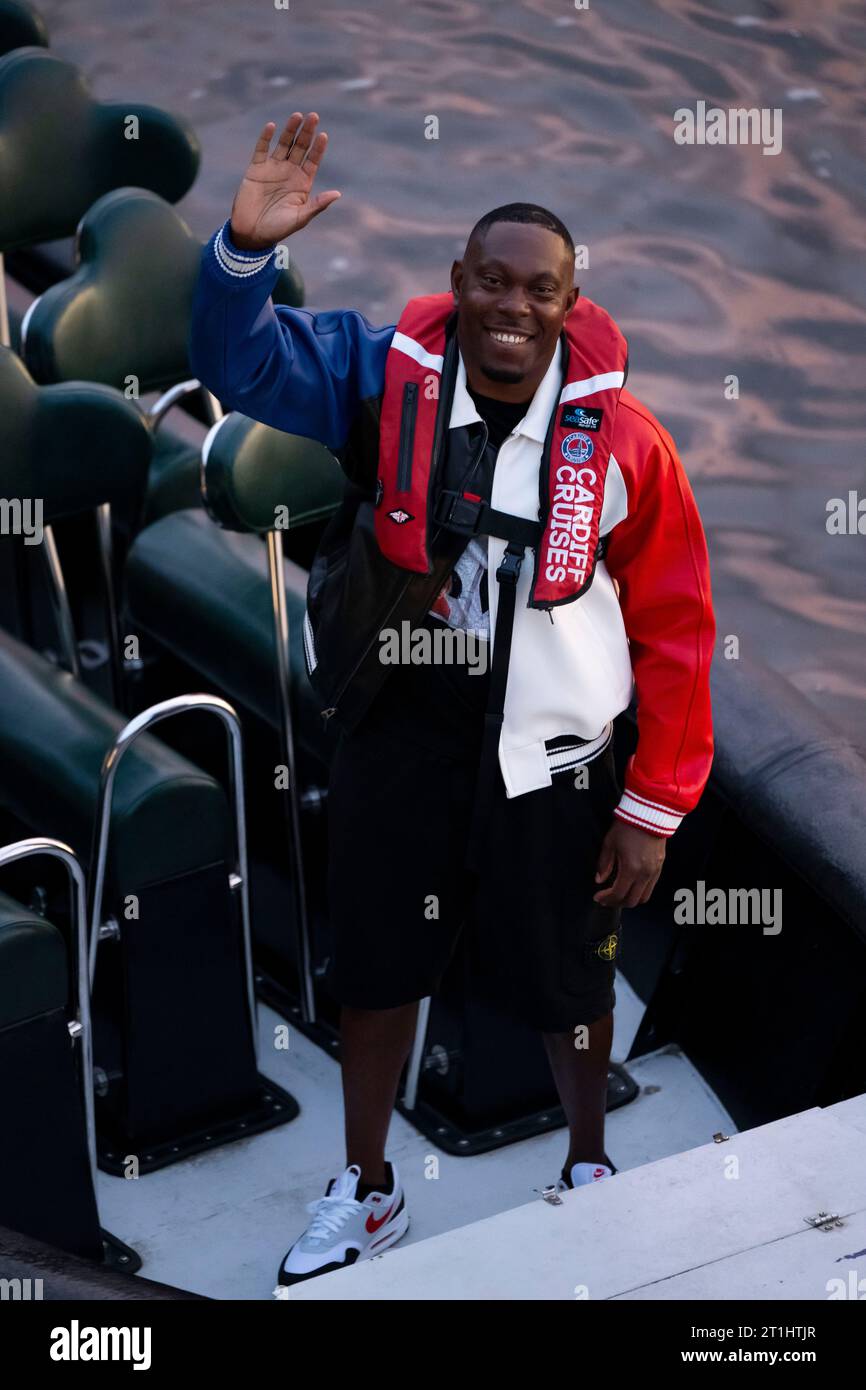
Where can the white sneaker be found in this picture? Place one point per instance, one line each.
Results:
(584, 1173)
(344, 1230)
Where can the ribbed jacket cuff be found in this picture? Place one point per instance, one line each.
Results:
(649, 815)
(235, 265)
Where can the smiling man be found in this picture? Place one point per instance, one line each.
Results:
(500, 481)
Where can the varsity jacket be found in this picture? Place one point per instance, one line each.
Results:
(617, 598)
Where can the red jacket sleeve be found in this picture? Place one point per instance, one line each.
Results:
(658, 556)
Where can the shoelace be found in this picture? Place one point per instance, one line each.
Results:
(330, 1214)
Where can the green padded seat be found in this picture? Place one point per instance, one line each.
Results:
(46, 1185)
(174, 480)
(21, 26)
(169, 816)
(46, 104)
(126, 309)
(33, 967)
(74, 445)
(204, 595)
(123, 313)
(252, 474)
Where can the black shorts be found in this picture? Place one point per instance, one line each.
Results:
(399, 813)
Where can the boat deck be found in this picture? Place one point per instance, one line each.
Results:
(219, 1223)
(717, 1222)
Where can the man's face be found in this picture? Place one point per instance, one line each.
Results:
(513, 290)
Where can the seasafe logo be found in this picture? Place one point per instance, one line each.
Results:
(581, 419)
(77, 1343)
(571, 512)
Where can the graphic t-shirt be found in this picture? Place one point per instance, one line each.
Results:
(464, 602)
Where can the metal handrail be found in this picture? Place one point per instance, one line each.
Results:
(60, 605)
(277, 574)
(69, 657)
(166, 402)
(239, 876)
(23, 849)
(413, 1071)
(277, 578)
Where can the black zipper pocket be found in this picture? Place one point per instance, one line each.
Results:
(407, 436)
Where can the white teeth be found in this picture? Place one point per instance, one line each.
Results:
(509, 337)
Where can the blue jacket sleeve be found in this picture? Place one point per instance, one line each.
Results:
(302, 372)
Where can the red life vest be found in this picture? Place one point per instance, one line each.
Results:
(574, 459)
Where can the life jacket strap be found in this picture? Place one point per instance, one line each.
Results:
(472, 516)
(507, 576)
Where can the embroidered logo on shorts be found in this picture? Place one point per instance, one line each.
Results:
(581, 419)
(605, 950)
(400, 516)
(577, 447)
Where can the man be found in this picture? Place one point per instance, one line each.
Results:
(490, 427)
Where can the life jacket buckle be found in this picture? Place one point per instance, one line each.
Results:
(457, 511)
(509, 565)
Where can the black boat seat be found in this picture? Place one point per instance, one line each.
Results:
(46, 104)
(46, 1184)
(74, 446)
(203, 594)
(169, 817)
(173, 482)
(33, 969)
(21, 26)
(124, 314)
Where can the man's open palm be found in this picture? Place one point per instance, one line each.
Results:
(274, 199)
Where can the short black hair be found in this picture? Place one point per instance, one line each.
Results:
(523, 212)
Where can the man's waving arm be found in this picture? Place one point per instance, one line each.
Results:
(298, 371)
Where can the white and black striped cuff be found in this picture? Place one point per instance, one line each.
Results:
(239, 264)
(649, 815)
(566, 755)
(309, 644)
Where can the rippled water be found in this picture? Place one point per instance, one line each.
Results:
(714, 260)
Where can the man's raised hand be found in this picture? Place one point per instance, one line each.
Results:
(274, 199)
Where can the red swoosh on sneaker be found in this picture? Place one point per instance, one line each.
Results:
(373, 1225)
